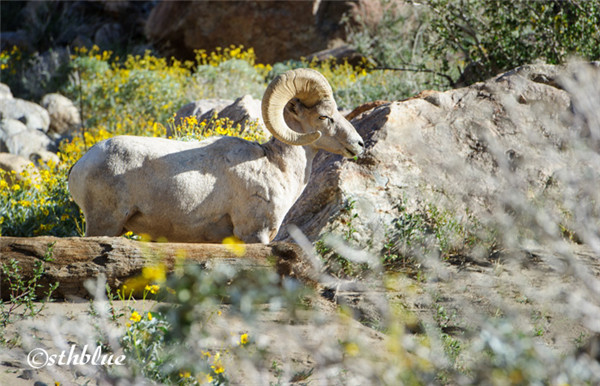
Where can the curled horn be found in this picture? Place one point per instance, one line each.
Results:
(309, 86)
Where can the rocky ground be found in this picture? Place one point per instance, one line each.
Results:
(531, 291)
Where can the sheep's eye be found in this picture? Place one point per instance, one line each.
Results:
(323, 117)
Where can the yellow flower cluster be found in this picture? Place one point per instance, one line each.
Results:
(153, 289)
(135, 317)
(235, 245)
(191, 129)
(9, 60)
(221, 55)
(36, 202)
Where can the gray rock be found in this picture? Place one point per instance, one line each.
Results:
(204, 107)
(245, 109)
(64, 116)
(311, 26)
(19, 38)
(42, 157)
(28, 142)
(242, 110)
(468, 151)
(8, 128)
(5, 92)
(108, 35)
(34, 116)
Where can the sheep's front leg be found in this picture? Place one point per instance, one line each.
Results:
(255, 227)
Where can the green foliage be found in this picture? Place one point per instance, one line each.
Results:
(489, 37)
(443, 43)
(117, 94)
(31, 75)
(335, 263)
(391, 34)
(24, 293)
(192, 130)
(38, 204)
(228, 80)
(154, 339)
(143, 344)
(432, 231)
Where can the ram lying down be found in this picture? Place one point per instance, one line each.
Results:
(222, 186)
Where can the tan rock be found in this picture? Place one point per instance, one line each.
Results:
(463, 150)
(12, 162)
(64, 116)
(276, 30)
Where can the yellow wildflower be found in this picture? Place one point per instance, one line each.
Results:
(150, 317)
(351, 349)
(156, 273)
(16, 187)
(135, 317)
(204, 378)
(153, 289)
(243, 339)
(235, 246)
(185, 374)
(218, 368)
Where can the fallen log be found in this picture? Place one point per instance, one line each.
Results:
(73, 260)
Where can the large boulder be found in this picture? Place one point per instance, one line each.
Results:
(34, 116)
(64, 116)
(18, 139)
(8, 128)
(5, 92)
(468, 151)
(276, 30)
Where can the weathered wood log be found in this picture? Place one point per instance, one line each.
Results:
(75, 260)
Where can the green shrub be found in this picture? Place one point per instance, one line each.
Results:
(444, 43)
(485, 37)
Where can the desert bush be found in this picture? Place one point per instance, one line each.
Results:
(24, 300)
(440, 43)
(391, 34)
(488, 37)
(38, 204)
(141, 88)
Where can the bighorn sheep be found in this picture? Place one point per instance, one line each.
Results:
(222, 186)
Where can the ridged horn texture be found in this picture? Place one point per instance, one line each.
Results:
(309, 86)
